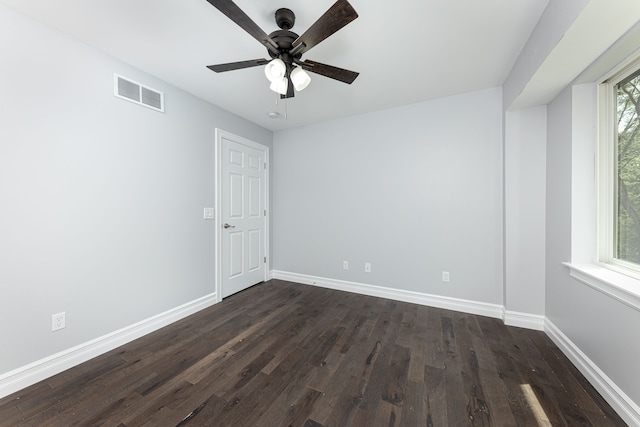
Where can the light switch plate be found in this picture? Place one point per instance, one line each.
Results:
(208, 213)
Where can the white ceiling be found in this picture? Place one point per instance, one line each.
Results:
(406, 51)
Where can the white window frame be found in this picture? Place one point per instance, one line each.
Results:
(607, 171)
(592, 191)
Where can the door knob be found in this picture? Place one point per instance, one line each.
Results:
(228, 225)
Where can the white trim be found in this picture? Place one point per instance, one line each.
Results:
(39, 370)
(221, 133)
(217, 261)
(605, 173)
(465, 306)
(607, 170)
(524, 320)
(619, 401)
(618, 286)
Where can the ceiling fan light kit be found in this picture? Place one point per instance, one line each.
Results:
(286, 70)
(279, 85)
(276, 72)
(300, 78)
(276, 69)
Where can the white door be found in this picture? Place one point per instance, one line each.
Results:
(242, 218)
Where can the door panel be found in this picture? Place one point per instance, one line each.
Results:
(235, 253)
(254, 250)
(242, 221)
(254, 197)
(236, 197)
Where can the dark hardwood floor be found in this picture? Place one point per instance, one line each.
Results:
(285, 354)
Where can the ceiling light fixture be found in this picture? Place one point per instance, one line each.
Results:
(276, 69)
(279, 85)
(300, 78)
(276, 72)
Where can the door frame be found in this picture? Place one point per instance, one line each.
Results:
(220, 134)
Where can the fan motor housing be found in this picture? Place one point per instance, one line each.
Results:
(284, 39)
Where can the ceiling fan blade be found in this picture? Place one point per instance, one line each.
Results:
(237, 15)
(338, 15)
(219, 68)
(330, 71)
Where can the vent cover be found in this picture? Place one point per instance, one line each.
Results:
(125, 88)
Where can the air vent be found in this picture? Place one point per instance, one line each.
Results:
(125, 88)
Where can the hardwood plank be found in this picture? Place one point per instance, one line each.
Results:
(299, 410)
(363, 419)
(394, 390)
(457, 398)
(435, 397)
(381, 341)
(555, 359)
(312, 423)
(346, 404)
(477, 409)
(287, 403)
(408, 326)
(512, 380)
(414, 411)
(435, 353)
(322, 374)
(204, 415)
(162, 411)
(388, 415)
(419, 347)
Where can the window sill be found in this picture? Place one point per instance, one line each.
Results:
(621, 287)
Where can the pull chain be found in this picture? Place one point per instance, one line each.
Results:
(286, 105)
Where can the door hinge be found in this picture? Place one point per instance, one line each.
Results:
(265, 260)
(265, 212)
(265, 165)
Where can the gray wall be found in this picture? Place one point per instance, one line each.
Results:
(101, 199)
(413, 190)
(601, 327)
(525, 159)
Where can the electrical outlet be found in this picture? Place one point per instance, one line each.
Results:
(58, 321)
(445, 276)
(345, 265)
(367, 267)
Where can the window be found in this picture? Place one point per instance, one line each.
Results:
(619, 170)
(627, 218)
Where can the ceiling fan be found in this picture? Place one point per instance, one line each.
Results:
(286, 69)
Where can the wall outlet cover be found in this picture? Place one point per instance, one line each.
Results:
(58, 322)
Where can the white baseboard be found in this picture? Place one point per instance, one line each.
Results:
(30, 374)
(524, 320)
(465, 306)
(619, 401)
